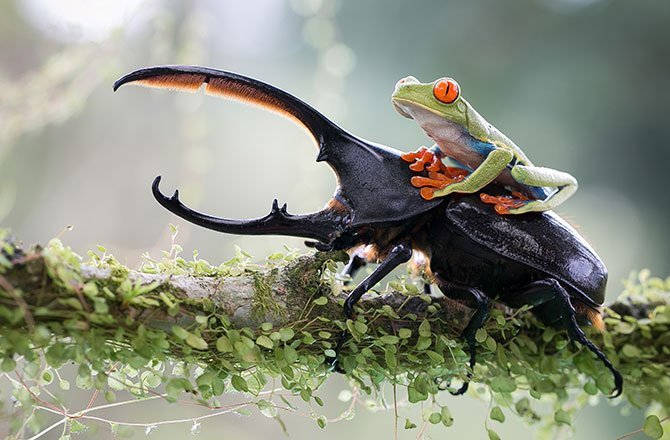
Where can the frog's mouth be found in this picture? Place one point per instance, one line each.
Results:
(403, 82)
(401, 110)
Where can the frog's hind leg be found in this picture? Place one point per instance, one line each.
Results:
(543, 177)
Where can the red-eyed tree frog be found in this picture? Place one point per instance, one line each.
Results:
(483, 154)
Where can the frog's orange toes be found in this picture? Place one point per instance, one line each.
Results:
(503, 204)
(436, 165)
(428, 193)
(411, 157)
(419, 159)
(419, 182)
(455, 172)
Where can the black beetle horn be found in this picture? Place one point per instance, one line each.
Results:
(322, 225)
(237, 87)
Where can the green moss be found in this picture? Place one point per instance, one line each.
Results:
(263, 305)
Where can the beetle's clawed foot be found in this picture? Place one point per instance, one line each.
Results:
(461, 390)
(444, 385)
(503, 204)
(439, 175)
(618, 384)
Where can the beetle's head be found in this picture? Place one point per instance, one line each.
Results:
(373, 183)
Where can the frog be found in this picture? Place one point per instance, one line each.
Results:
(480, 153)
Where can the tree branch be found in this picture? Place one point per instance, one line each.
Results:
(283, 318)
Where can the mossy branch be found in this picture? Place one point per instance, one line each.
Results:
(242, 323)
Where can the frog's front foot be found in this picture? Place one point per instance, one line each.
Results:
(439, 177)
(434, 185)
(507, 204)
(421, 159)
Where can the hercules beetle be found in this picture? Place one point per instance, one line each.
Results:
(474, 255)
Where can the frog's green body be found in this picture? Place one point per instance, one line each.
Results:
(463, 135)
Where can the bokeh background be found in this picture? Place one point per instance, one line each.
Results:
(580, 85)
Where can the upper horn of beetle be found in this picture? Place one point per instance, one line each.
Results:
(237, 87)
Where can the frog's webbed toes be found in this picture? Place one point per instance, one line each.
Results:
(513, 204)
(440, 176)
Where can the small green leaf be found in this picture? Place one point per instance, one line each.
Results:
(286, 334)
(290, 355)
(76, 426)
(503, 384)
(405, 333)
(409, 424)
(389, 339)
(196, 342)
(493, 435)
(652, 427)
(497, 414)
(64, 384)
(321, 421)
(390, 359)
(424, 329)
(8, 364)
(180, 332)
(239, 383)
(361, 327)
(223, 345)
(447, 418)
(591, 388)
(562, 417)
(321, 301)
(435, 418)
(481, 335)
(630, 351)
(423, 342)
(264, 341)
(110, 396)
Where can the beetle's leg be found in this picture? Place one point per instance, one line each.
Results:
(398, 255)
(356, 262)
(576, 333)
(544, 292)
(477, 299)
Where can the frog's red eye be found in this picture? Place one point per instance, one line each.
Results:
(446, 90)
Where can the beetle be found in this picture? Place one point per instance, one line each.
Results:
(474, 255)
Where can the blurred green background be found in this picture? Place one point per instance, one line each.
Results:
(580, 85)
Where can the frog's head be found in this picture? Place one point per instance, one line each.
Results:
(441, 97)
(436, 106)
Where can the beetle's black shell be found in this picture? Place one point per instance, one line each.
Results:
(373, 181)
(543, 241)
